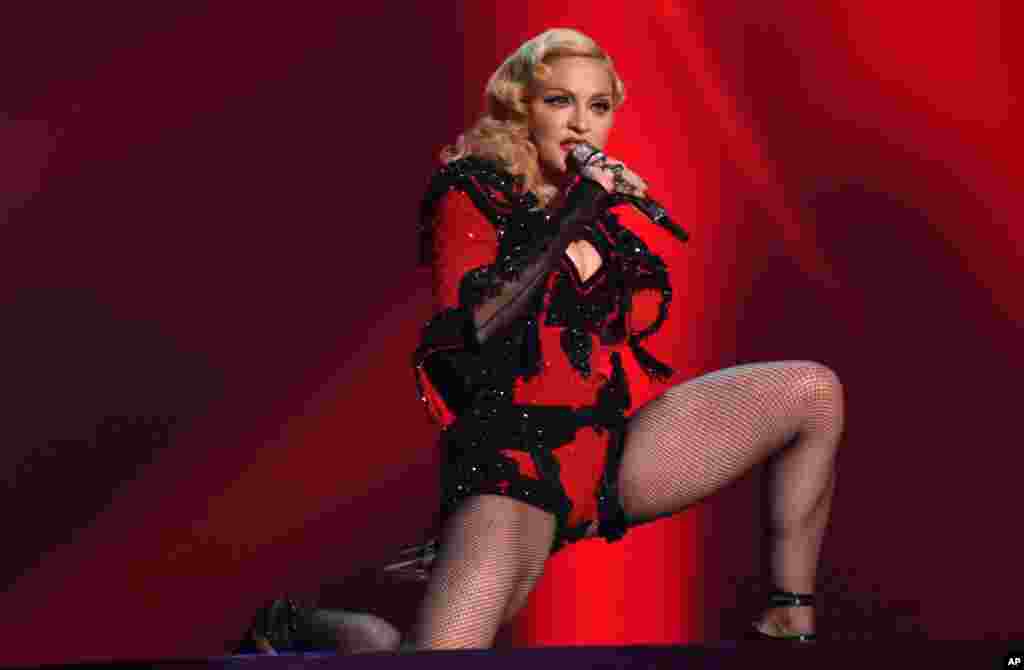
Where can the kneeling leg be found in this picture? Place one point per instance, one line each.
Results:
(493, 548)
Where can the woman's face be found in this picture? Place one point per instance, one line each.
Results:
(572, 104)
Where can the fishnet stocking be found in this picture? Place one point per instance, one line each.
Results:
(705, 433)
(493, 549)
(688, 443)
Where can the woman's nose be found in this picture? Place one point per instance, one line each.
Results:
(579, 122)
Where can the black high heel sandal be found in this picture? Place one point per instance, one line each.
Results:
(785, 599)
(279, 625)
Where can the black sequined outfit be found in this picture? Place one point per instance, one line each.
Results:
(540, 412)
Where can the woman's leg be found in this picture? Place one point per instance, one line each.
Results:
(707, 432)
(357, 632)
(492, 549)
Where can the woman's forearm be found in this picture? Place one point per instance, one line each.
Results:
(515, 295)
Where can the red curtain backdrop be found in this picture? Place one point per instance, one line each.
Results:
(209, 299)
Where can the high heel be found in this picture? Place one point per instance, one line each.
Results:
(414, 562)
(784, 599)
(285, 625)
(278, 625)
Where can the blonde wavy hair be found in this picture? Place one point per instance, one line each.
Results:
(502, 134)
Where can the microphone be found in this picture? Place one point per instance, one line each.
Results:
(582, 155)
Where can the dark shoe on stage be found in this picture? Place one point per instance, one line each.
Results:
(284, 625)
(273, 627)
(784, 599)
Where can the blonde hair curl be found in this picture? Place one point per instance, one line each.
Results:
(502, 134)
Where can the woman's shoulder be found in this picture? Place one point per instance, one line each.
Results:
(491, 187)
(473, 168)
(471, 189)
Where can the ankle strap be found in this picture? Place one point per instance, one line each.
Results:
(790, 599)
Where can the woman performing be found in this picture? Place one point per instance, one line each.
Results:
(548, 359)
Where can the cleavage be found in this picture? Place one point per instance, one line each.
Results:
(589, 257)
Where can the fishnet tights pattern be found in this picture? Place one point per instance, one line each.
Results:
(686, 444)
(705, 433)
(492, 547)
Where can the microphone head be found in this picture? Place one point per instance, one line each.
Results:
(580, 156)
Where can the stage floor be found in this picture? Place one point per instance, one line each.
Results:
(961, 655)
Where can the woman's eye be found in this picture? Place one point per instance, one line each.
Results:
(557, 100)
(603, 107)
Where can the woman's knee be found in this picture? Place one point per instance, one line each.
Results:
(820, 388)
(817, 381)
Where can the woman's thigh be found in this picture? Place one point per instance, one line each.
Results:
(706, 432)
(493, 549)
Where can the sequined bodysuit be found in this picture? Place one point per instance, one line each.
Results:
(540, 412)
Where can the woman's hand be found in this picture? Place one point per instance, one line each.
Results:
(613, 175)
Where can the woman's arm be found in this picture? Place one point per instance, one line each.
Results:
(475, 298)
(513, 296)
(479, 295)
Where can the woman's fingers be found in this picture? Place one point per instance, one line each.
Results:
(632, 184)
(625, 180)
(615, 176)
(601, 175)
